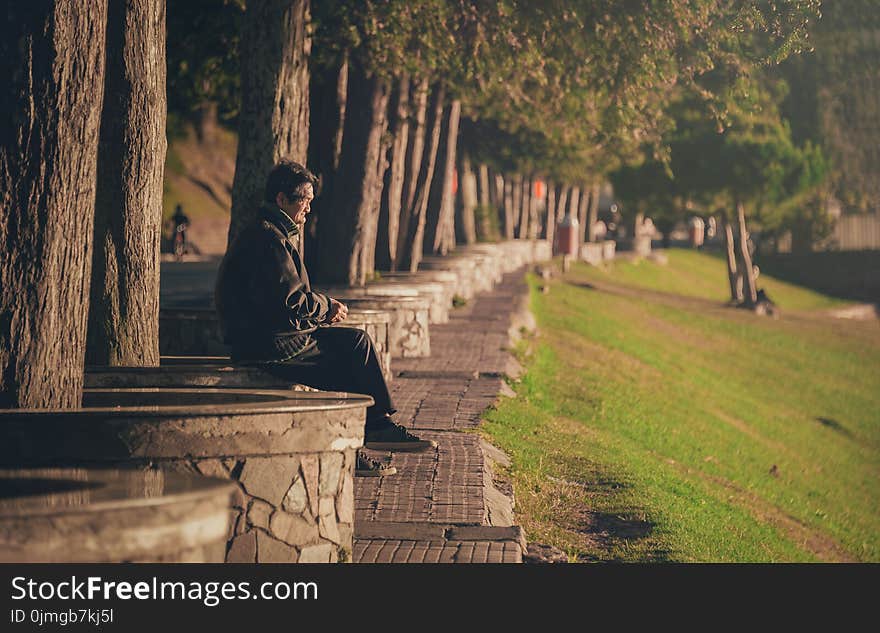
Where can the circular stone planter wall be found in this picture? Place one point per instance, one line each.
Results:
(448, 280)
(408, 333)
(74, 515)
(462, 269)
(435, 293)
(292, 455)
(196, 332)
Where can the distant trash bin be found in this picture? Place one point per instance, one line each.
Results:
(696, 231)
(567, 236)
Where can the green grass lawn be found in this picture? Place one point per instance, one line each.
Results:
(655, 424)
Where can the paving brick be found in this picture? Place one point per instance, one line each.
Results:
(438, 396)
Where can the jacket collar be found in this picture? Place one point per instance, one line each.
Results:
(280, 219)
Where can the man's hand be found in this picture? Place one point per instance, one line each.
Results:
(338, 311)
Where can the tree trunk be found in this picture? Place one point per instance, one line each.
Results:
(732, 273)
(525, 210)
(465, 225)
(411, 249)
(415, 153)
(549, 229)
(574, 200)
(593, 212)
(328, 92)
(53, 78)
(124, 309)
(583, 213)
(347, 243)
(562, 201)
(496, 191)
(516, 190)
(484, 195)
(392, 191)
(484, 200)
(274, 118)
(750, 292)
(441, 205)
(509, 183)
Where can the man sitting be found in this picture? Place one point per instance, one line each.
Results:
(271, 317)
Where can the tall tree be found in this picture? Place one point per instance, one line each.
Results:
(124, 307)
(413, 167)
(53, 74)
(355, 196)
(465, 221)
(410, 253)
(392, 191)
(274, 120)
(441, 204)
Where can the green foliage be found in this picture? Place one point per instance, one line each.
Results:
(834, 100)
(752, 160)
(203, 57)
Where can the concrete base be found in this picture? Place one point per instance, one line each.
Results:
(292, 456)
(76, 515)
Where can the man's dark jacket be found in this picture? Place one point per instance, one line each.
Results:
(266, 306)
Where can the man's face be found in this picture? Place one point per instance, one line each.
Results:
(297, 208)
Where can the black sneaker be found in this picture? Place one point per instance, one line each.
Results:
(368, 467)
(393, 437)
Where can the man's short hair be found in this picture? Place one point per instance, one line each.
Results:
(290, 178)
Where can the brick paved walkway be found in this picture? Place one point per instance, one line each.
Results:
(434, 508)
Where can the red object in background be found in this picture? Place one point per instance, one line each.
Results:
(568, 236)
(540, 189)
(454, 181)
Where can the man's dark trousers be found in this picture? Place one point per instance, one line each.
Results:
(342, 359)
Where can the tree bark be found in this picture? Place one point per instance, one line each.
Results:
(732, 273)
(412, 167)
(410, 251)
(484, 200)
(574, 200)
(549, 230)
(484, 195)
(593, 212)
(124, 310)
(507, 215)
(328, 92)
(392, 191)
(525, 207)
(750, 292)
(441, 205)
(347, 243)
(274, 118)
(465, 225)
(583, 212)
(561, 201)
(53, 78)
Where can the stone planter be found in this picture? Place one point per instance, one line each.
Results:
(609, 248)
(542, 250)
(408, 333)
(591, 252)
(196, 332)
(463, 270)
(448, 279)
(75, 515)
(291, 454)
(435, 294)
